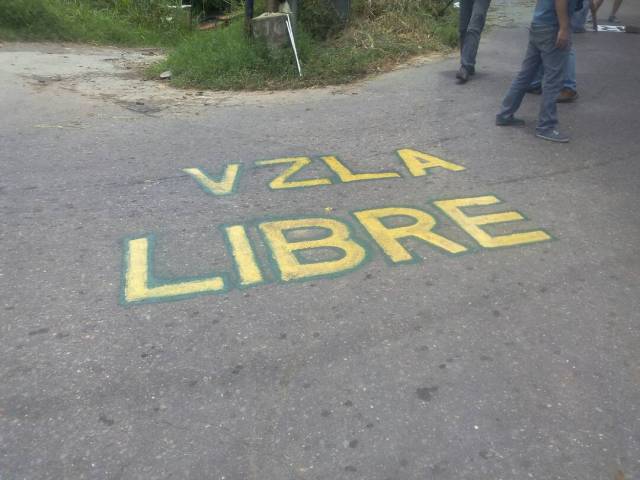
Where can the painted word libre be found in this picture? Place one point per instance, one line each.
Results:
(289, 247)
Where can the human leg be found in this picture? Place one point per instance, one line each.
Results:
(614, 10)
(570, 71)
(595, 6)
(530, 66)
(536, 84)
(579, 18)
(466, 8)
(569, 90)
(473, 32)
(554, 60)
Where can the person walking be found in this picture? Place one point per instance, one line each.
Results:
(473, 14)
(549, 46)
(569, 91)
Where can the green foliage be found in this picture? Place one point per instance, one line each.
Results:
(129, 22)
(376, 8)
(319, 18)
(227, 59)
(217, 6)
(380, 34)
(30, 17)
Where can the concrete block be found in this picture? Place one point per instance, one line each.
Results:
(272, 28)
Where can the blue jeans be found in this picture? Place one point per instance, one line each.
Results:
(569, 73)
(473, 14)
(541, 51)
(578, 20)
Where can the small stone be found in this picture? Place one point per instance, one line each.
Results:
(166, 75)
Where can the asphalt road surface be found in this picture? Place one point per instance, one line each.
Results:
(173, 306)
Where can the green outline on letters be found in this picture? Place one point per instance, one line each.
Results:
(270, 270)
(153, 282)
(399, 177)
(236, 184)
(352, 235)
(332, 177)
(415, 257)
(479, 247)
(410, 175)
(266, 277)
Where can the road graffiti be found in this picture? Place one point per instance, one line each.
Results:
(227, 182)
(304, 248)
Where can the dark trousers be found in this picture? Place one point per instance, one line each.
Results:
(473, 14)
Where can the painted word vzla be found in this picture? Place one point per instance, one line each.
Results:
(291, 257)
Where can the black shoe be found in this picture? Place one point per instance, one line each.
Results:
(462, 75)
(534, 90)
(509, 121)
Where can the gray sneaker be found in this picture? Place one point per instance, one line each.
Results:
(553, 136)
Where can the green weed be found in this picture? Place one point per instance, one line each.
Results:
(125, 22)
(380, 34)
(227, 59)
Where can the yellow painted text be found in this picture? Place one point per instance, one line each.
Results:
(388, 237)
(471, 225)
(224, 186)
(298, 163)
(284, 251)
(418, 163)
(345, 175)
(137, 281)
(243, 255)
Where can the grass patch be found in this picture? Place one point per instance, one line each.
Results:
(379, 36)
(121, 22)
(227, 59)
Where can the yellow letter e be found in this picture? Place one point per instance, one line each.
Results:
(471, 224)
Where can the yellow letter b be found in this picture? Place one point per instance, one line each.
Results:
(284, 250)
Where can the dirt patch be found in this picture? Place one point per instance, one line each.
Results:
(115, 75)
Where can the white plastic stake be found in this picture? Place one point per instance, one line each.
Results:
(293, 43)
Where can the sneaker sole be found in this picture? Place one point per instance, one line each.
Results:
(509, 124)
(552, 139)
